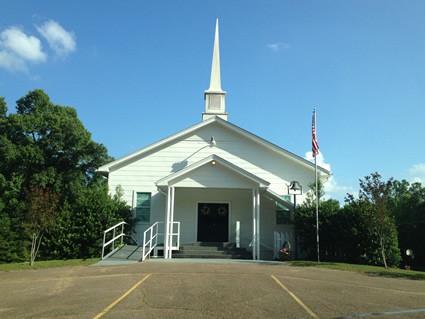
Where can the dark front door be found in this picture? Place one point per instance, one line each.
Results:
(213, 222)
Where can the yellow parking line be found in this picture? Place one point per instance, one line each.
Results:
(311, 313)
(112, 305)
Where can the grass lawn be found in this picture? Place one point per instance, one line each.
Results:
(370, 270)
(48, 264)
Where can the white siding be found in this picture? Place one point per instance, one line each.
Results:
(143, 172)
(211, 183)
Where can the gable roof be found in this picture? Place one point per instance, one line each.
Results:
(226, 124)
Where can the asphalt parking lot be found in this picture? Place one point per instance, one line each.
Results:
(206, 289)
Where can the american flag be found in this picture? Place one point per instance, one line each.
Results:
(315, 144)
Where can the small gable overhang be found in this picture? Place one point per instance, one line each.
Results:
(214, 165)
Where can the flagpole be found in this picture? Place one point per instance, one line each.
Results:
(317, 210)
(315, 150)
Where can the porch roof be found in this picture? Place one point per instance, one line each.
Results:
(216, 160)
(276, 197)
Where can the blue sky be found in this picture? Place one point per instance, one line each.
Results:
(136, 72)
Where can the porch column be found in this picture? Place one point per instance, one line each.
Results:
(254, 228)
(255, 224)
(170, 232)
(167, 224)
(258, 225)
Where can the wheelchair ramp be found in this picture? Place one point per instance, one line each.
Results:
(127, 254)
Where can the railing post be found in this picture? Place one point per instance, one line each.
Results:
(150, 239)
(144, 243)
(156, 236)
(103, 246)
(178, 234)
(122, 232)
(171, 235)
(238, 234)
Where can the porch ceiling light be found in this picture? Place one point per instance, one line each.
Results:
(213, 162)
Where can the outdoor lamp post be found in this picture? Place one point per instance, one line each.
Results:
(294, 188)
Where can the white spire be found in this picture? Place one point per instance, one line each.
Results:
(215, 97)
(215, 81)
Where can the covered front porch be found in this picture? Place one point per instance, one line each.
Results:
(216, 201)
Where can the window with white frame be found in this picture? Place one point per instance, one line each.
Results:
(283, 214)
(143, 207)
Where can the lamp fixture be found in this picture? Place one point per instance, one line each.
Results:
(213, 141)
(295, 188)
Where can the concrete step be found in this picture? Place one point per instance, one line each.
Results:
(211, 250)
(209, 244)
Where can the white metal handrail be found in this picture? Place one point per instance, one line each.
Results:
(114, 238)
(151, 235)
(175, 236)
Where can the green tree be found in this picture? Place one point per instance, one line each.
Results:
(305, 222)
(12, 243)
(54, 148)
(329, 234)
(310, 200)
(45, 146)
(373, 204)
(408, 206)
(79, 227)
(42, 205)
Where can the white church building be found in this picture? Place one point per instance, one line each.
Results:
(213, 182)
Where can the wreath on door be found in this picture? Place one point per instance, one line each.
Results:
(205, 210)
(222, 210)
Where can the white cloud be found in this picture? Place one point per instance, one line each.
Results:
(417, 173)
(27, 47)
(60, 40)
(320, 160)
(279, 46)
(335, 191)
(11, 61)
(331, 187)
(18, 48)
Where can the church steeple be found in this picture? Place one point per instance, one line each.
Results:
(215, 97)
